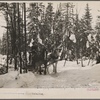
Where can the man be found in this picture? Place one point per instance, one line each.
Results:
(34, 47)
(98, 58)
(34, 50)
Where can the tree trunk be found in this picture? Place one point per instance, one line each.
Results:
(19, 38)
(81, 59)
(76, 53)
(25, 35)
(7, 40)
(14, 37)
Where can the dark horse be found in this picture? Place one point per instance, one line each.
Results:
(38, 59)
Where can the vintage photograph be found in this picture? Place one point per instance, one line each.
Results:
(50, 44)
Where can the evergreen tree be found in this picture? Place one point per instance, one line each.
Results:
(57, 28)
(49, 17)
(33, 24)
(85, 28)
(97, 28)
(87, 19)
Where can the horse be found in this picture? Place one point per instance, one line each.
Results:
(38, 59)
(53, 58)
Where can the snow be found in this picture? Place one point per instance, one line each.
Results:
(87, 44)
(3, 59)
(72, 37)
(31, 42)
(91, 35)
(70, 76)
(71, 65)
(39, 39)
(16, 80)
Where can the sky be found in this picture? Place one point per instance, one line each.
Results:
(80, 5)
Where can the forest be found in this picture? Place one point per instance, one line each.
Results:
(62, 29)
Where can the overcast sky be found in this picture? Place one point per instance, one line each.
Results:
(80, 5)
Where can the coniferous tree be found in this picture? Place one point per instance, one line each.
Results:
(86, 27)
(49, 16)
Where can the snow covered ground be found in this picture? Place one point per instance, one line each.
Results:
(2, 59)
(69, 76)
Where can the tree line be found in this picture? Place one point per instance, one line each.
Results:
(25, 22)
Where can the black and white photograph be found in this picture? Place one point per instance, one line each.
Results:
(50, 44)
